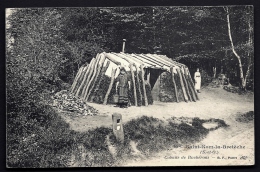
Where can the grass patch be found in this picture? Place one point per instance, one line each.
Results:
(44, 139)
(247, 117)
(152, 135)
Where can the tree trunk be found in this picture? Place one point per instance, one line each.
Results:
(110, 85)
(234, 51)
(214, 72)
(174, 85)
(247, 74)
(250, 42)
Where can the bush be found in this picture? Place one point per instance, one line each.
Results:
(205, 78)
(36, 137)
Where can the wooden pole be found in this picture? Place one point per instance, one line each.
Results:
(182, 86)
(123, 49)
(110, 85)
(80, 79)
(190, 86)
(112, 58)
(91, 71)
(138, 83)
(133, 79)
(102, 73)
(171, 61)
(136, 57)
(192, 91)
(163, 60)
(128, 58)
(85, 76)
(186, 85)
(174, 85)
(193, 86)
(148, 77)
(152, 59)
(100, 64)
(81, 76)
(144, 90)
(133, 59)
(76, 79)
(91, 79)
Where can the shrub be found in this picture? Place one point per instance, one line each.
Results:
(37, 137)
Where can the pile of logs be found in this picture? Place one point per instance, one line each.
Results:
(65, 101)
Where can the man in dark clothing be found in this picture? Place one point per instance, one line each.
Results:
(123, 83)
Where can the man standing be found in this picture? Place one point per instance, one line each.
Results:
(197, 78)
(123, 83)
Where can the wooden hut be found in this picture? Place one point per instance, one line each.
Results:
(153, 77)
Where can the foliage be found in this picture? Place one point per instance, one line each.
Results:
(205, 78)
(63, 39)
(37, 137)
(37, 45)
(246, 117)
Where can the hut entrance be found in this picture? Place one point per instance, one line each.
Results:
(155, 83)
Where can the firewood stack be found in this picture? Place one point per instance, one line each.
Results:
(65, 101)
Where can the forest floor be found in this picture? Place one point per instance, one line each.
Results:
(214, 103)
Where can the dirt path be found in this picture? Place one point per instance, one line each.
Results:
(222, 105)
(213, 103)
(237, 134)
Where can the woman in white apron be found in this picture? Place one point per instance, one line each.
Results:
(197, 78)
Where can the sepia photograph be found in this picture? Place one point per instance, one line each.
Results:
(129, 86)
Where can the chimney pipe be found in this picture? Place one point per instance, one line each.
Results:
(123, 49)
